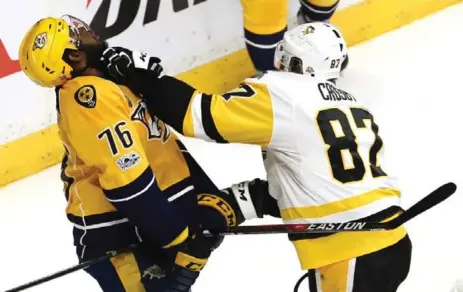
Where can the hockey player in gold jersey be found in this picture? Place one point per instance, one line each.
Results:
(324, 153)
(128, 179)
(265, 22)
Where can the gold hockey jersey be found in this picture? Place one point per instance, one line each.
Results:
(324, 156)
(124, 174)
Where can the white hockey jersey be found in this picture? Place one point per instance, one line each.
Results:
(324, 159)
(324, 154)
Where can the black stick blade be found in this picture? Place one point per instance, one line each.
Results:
(431, 200)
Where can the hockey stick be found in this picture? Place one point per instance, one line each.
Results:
(80, 266)
(431, 200)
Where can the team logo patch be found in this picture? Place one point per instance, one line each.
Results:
(40, 41)
(128, 161)
(86, 96)
(308, 29)
(157, 130)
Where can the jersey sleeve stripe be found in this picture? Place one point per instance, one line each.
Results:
(208, 121)
(197, 118)
(147, 207)
(181, 193)
(134, 195)
(100, 225)
(342, 210)
(179, 187)
(96, 219)
(134, 189)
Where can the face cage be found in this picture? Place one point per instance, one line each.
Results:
(76, 27)
(286, 61)
(295, 65)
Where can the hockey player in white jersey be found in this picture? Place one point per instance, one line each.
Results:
(324, 153)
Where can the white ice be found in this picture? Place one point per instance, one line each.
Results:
(411, 77)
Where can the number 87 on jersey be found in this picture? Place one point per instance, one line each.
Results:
(344, 133)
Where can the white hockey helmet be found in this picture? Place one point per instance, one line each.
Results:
(316, 49)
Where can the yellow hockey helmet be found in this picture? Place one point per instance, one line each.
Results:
(42, 49)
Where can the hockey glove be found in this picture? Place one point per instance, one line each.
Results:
(189, 261)
(122, 65)
(254, 199)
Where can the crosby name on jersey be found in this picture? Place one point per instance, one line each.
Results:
(323, 147)
(329, 92)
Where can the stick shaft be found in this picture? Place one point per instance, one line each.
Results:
(70, 270)
(434, 198)
(310, 228)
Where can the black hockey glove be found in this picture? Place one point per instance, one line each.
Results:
(189, 261)
(254, 199)
(127, 67)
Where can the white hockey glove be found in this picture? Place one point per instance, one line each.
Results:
(122, 64)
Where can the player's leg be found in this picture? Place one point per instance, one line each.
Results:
(384, 270)
(316, 10)
(265, 23)
(381, 271)
(335, 277)
(107, 277)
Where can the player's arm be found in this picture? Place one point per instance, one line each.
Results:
(242, 115)
(103, 136)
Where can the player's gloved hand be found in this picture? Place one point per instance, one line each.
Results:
(122, 64)
(254, 199)
(189, 261)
